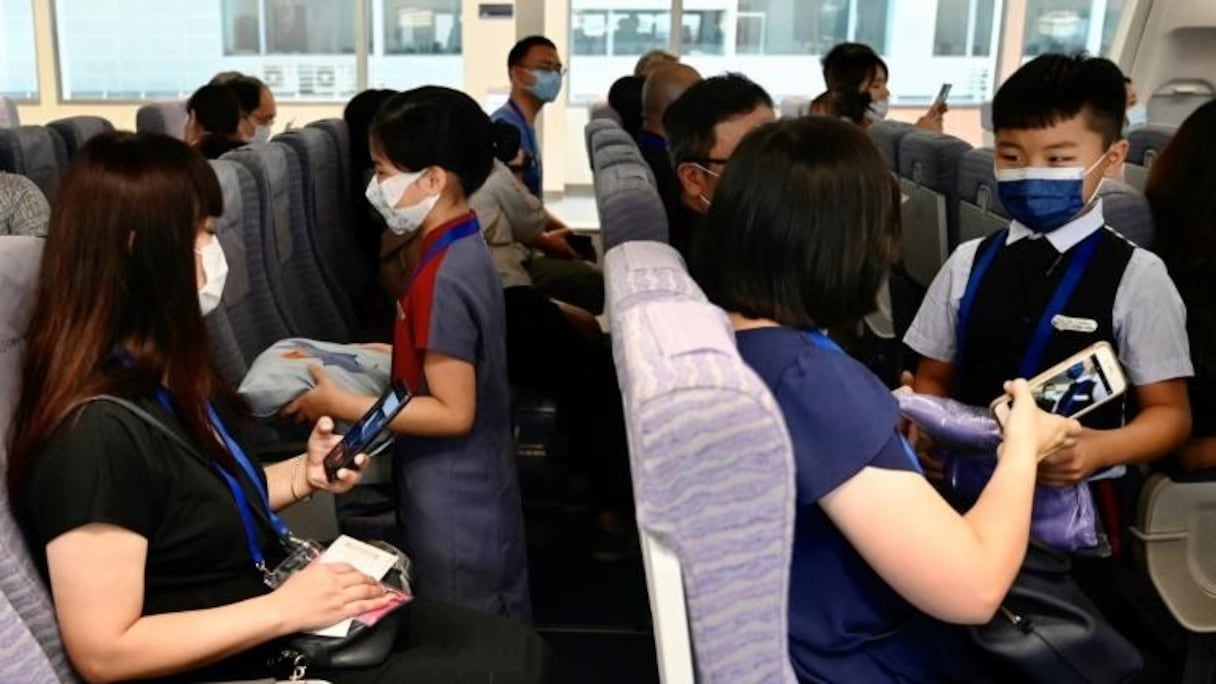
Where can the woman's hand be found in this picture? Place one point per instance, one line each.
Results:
(320, 443)
(1033, 427)
(934, 119)
(323, 594)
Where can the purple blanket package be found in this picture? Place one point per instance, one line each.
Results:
(968, 436)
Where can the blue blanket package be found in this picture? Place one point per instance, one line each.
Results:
(967, 437)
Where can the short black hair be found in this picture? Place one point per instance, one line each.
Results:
(519, 53)
(216, 109)
(359, 114)
(248, 89)
(436, 126)
(1052, 88)
(691, 119)
(851, 65)
(803, 227)
(507, 140)
(625, 96)
(844, 103)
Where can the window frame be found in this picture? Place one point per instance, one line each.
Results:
(38, 90)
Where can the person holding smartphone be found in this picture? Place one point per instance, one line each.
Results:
(154, 567)
(804, 224)
(857, 67)
(459, 510)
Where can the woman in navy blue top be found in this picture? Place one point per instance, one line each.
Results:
(798, 239)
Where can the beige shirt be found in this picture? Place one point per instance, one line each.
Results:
(511, 217)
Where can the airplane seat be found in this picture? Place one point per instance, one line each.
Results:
(1174, 540)
(338, 131)
(9, 117)
(592, 131)
(605, 157)
(1127, 211)
(713, 477)
(33, 651)
(255, 318)
(628, 204)
(36, 152)
(290, 260)
(341, 262)
(600, 109)
(166, 118)
(980, 213)
(612, 137)
(887, 135)
(77, 130)
(929, 167)
(642, 271)
(1143, 146)
(794, 107)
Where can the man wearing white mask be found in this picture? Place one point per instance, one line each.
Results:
(258, 107)
(536, 73)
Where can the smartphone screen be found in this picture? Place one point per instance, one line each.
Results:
(1075, 389)
(367, 429)
(943, 94)
(583, 245)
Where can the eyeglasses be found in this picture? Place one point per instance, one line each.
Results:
(555, 68)
(705, 160)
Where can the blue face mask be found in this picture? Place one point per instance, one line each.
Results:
(546, 84)
(1043, 198)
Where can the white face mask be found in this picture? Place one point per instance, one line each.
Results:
(215, 274)
(261, 134)
(384, 196)
(1137, 116)
(878, 110)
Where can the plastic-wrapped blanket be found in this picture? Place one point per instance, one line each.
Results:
(967, 437)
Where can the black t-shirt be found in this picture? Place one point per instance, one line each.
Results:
(105, 465)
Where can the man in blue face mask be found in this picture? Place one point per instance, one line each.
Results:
(536, 74)
(1058, 280)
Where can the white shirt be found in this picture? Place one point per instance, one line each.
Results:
(1149, 316)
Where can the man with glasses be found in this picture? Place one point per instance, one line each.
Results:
(703, 128)
(536, 74)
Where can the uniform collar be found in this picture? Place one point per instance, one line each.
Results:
(1066, 236)
(436, 234)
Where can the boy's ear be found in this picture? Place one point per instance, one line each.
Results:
(1115, 156)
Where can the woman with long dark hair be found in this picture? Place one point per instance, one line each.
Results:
(154, 540)
(1182, 192)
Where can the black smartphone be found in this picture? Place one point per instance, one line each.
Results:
(363, 433)
(584, 246)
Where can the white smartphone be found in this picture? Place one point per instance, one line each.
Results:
(1075, 387)
(942, 95)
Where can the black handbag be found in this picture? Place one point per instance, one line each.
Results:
(363, 646)
(1048, 630)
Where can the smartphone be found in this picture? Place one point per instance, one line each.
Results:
(1075, 387)
(583, 245)
(363, 433)
(942, 95)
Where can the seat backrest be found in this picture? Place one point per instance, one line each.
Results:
(342, 264)
(36, 152)
(166, 118)
(338, 131)
(251, 313)
(290, 258)
(887, 135)
(612, 137)
(794, 107)
(1146, 142)
(31, 649)
(600, 109)
(980, 213)
(605, 157)
(8, 113)
(714, 483)
(1127, 211)
(77, 130)
(645, 270)
(932, 160)
(629, 206)
(1174, 541)
(593, 129)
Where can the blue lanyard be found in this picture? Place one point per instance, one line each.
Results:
(1032, 359)
(234, 486)
(468, 228)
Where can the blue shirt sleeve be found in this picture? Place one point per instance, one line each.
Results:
(841, 419)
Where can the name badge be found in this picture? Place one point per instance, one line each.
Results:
(1077, 325)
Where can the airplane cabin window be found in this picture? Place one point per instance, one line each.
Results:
(1070, 26)
(18, 68)
(422, 44)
